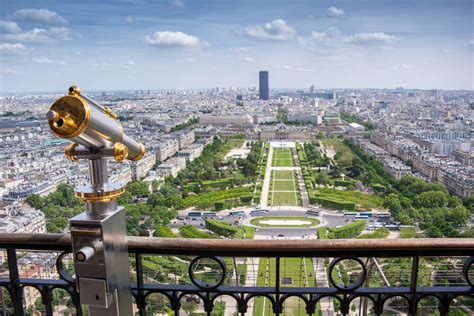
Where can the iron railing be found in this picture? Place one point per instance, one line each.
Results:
(262, 277)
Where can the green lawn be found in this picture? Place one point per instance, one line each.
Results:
(257, 221)
(300, 273)
(284, 185)
(283, 163)
(282, 158)
(283, 174)
(283, 188)
(344, 154)
(284, 198)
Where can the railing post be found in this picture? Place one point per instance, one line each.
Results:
(15, 290)
(413, 285)
(141, 304)
(277, 286)
(46, 293)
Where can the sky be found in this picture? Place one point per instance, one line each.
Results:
(195, 44)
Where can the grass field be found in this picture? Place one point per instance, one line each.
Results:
(282, 157)
(344, 154)
(283, 188)
(284, 185)
(296, 272)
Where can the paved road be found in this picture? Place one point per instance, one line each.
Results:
(301, 185)
(266, 180)
(322, 281)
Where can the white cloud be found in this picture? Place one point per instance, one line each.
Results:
(62, 33)
(39, 16)
(372, 38)
(332, 37)
(277, 30)
(250, 60)
(12, 47)
(299, 69)
(39, 35)
(130, 63)
(178, 3)
(9, 27)
(241, 50)
(334, 12)
(401, 67)
(167, 38)
(42, 60)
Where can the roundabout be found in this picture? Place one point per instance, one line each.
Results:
(284, 222)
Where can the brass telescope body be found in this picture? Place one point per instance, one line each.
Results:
(72, 117)
(95, 134)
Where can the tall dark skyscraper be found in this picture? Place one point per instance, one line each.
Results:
(263, 85)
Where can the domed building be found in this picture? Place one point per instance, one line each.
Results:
(284, 132)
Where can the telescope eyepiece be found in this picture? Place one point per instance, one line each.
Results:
(74, 90)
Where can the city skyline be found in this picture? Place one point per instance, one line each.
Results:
(135, 44)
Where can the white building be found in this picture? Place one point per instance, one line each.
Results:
(167, 149)
(171, 167)
(185, 138)
(192, 152)
(243, 119)
(141, 168)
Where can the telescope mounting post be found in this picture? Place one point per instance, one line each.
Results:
(99, 242)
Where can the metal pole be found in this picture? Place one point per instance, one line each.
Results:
(99, 241)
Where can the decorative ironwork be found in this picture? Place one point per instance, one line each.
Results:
(355, 271)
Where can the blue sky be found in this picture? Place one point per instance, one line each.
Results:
(146, 44)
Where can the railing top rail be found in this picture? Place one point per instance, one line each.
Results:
(237, 247)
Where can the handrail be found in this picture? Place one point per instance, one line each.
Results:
(239, 247)
(276, 293)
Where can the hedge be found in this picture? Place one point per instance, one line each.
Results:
(219, 206)
(245, 232)
(189, 231)
(215, 184)
(220, 228)
(376, 234)
(322, 233)
(333, 204)
(347, 231)
(246, 198)
(378, 187)
(344, 183)
(164, 231)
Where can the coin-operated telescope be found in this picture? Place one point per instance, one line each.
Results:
(99, 238)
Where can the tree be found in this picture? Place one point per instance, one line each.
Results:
(433, 232)
(138, 189)
(35, 201)
(431, 199)
(190, 304)
(321, 178)
(335, 172)
(458, 215)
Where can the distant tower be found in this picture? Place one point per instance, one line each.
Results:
(263, 85)
(311, 89)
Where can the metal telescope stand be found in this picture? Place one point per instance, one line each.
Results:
(99, 242)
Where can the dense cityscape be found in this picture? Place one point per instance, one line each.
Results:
(322, 163)
(236, 158)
